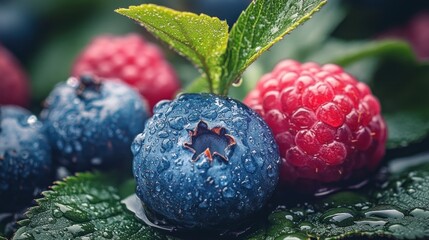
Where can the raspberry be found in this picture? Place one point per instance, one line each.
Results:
(327, 124)
(14, 88)
(134, 61)
(205, 161)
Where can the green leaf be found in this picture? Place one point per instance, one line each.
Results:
(407, 127)
(260, 26)
(86, 206)
(398, 209)
(298, 45)
(200, 38)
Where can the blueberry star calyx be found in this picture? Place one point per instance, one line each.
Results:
(209, 142)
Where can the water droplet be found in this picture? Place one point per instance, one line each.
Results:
(339, 216)
(228, 192)
(163, 165)
(51, 220)
(204, 204)
(270, 171)
(396, 228)
(305, 226)
(384, 213)
(209, 114)
(249, 165)
(57, 213)
(420, 213)
(25, 236)
(166, 144)
(73, 214)
(238, 82)
(107, 234)
(81, 229)
(247, 183)
(163, 134)
(177, 123)
(32, 120)
(371, 223)
(193, 117)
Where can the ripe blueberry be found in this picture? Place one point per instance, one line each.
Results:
(91, 123)
(25, 157)
(205, 161)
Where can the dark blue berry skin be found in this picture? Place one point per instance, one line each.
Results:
(92, 125)
(25, 158)
(191, 188)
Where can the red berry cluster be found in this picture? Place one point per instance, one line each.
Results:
(327, 124)
(134, 61)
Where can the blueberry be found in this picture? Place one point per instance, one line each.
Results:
(25, 158)
(205, 161)
(91, 123)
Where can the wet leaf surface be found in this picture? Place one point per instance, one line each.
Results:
(86, 206)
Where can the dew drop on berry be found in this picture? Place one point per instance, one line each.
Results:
(166, 144)
(270, 171)
(137, 143)
(204, 204)
(228, 192)
(177, 123)
(249, 165)
(247, 183)
(193, 117)
(209, 114)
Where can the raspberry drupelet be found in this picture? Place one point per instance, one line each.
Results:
(328, 125)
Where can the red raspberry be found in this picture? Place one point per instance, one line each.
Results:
(134, 61)
(327, 125)
(14, 88)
